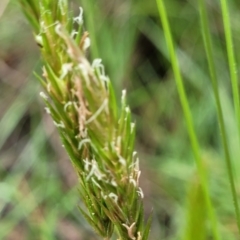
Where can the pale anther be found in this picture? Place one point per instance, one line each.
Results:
(60, 125)
(58, 30)
(140, 193)
(130, 230)
(94, 181)
(43, 95)
(94, 116)
(133, 181)
(138, 175)
(96, 62)
(86, 140)
(124, 94)
(132, 127)
(113, 183)
(67, 105)
(66, 68)
(73, 33)
(79, 18)
(86, 43)
(113, 196)
(86, 164)
(49, 87)
(47, 110)
(39, 39)
(95, 171)
(122, 160)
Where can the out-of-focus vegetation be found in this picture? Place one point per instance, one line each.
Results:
(37, 184)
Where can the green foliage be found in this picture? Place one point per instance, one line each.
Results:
(187, 112)
(213, 77)
(39, 188)
(188, 117)
(196, 216)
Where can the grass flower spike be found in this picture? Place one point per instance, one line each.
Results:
(98, 137)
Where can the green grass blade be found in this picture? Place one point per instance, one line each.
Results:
(196, 213)
(231, 60)
(212, 70)
(15, 112)
(187, 114)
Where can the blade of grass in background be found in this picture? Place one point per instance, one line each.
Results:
(15, 112)
(3, 6)
(213, 75)
(188, 116)
(196, 216)
(231, 61)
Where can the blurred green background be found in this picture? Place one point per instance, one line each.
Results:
(38, 187)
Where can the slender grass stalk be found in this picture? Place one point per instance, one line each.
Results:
(231, 61)
(213, 77)
(196, 217)
(98, 137)
(188, 116)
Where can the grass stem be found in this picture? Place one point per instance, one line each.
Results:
(231, 61)
(187, 114)
(213, 76)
